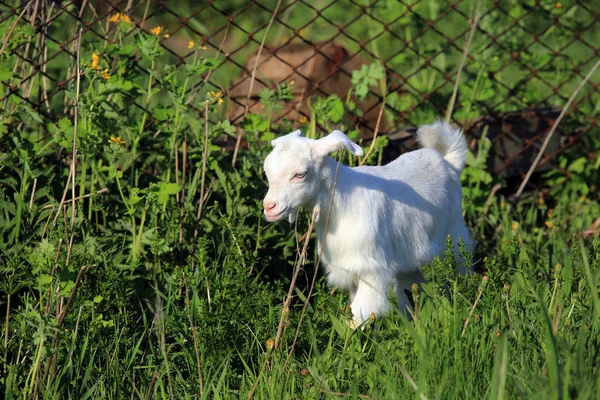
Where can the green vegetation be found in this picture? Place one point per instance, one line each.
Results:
(162, 280)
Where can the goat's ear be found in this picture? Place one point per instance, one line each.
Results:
(336, 140)
(296, 133)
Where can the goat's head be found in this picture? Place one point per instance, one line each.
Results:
(294, 173)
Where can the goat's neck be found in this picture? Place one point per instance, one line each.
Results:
(330, 172)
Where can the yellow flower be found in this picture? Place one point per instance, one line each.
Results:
(292, 83)
(105, 74)
(515, 225)
(116, 140)
(549, 224)
(125, 18)
(156, 31)
(95, 59)
(218, 96)
(203, 48)
(414, 289)
(114, 18)
(558, 267)
(302, 120)
(190, 44)
(558, 5)
(270, 345)
(167, 36)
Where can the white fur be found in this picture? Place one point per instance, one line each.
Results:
(385, 222)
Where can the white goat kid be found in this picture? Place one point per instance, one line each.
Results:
(385, 222)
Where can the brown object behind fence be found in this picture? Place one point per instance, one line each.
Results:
(323, 69)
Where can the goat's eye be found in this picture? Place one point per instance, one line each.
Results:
(300, 175)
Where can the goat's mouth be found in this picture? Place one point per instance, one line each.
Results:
(276, 217)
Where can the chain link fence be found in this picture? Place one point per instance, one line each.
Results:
(522, 61)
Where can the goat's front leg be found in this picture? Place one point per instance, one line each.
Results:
(370, 297)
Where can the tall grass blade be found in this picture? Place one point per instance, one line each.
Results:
(500, 368)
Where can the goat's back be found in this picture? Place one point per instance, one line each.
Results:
(396, 216)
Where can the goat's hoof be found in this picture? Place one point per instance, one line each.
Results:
(352, 324)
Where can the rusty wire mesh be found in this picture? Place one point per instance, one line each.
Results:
(525, 60)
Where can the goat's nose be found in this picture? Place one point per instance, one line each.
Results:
(269, 205)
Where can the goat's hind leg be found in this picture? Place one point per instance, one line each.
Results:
(404, 282)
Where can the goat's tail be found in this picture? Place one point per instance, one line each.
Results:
(448, 141)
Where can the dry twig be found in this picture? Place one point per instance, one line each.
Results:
(12, 27)
(549, 135)
(297, 268)
(262, 45)
(203, 176)
(314, 279)
(463, 59)
(85, 196)
(483, 285)
(384, 88)
(74, 156)
(193, 326)
(64, 311)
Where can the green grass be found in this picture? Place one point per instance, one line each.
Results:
(155, 299)
(527, 328)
